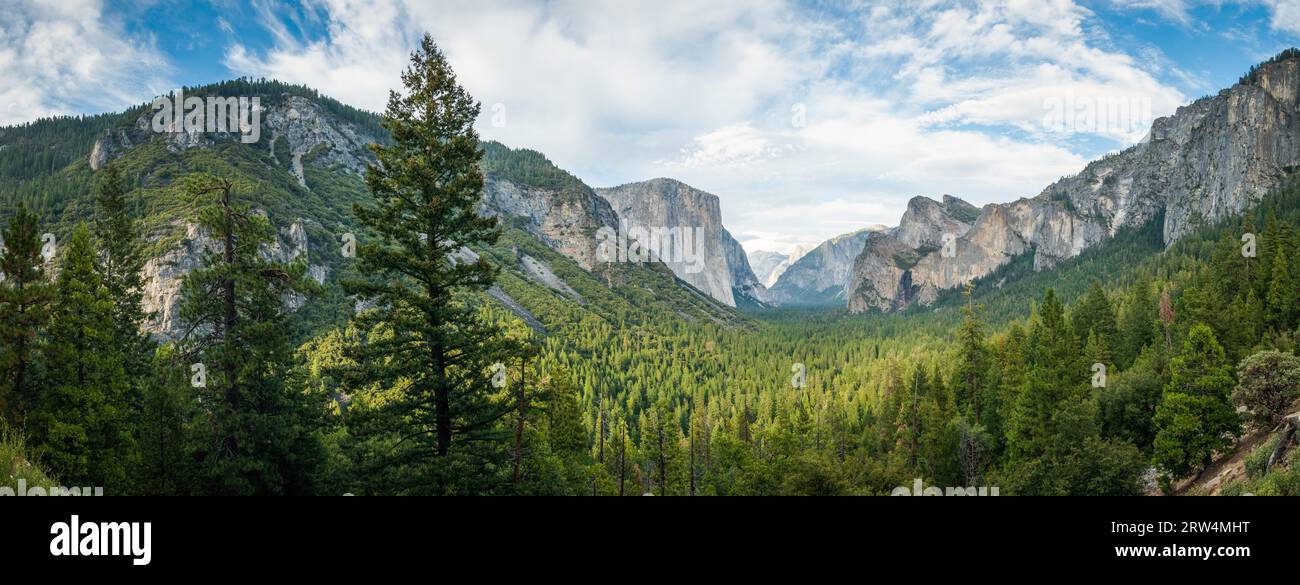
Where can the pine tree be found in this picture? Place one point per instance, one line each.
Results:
(81, 422)
(1135, 328)
(973, 364)
(261, 438)
(1094, 313)
(1281, 293)
(1195, 420)
(1097, 350)
(122, 257)
(24, 294)
(426, 191)
(661, 444)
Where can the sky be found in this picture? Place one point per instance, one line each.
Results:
(808, 119)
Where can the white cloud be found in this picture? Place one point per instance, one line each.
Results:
(67, 56)
(1178, 11)
(912, 98)
(737, 144)
(1286, 15)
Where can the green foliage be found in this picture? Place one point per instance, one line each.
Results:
(24, 294)
(1269, 384)
(1194, 421)
(426, 337)
(642, 385)
(79, 420)
(259, 437)
(17, 465)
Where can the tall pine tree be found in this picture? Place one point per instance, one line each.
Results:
(259, 436)
(80, 424)
(435, 345)
(24, 294)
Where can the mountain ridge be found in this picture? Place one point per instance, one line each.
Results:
(1211, 159)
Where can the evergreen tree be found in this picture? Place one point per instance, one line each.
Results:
(24, 294)
(970, 384)
(258, 434)
(1135, 330)
(1097, 350)
(122, 257)
(1195, 419)
(1094, 313)
(1281, 293)
(661, 446)
(426, 190)
(81, 423)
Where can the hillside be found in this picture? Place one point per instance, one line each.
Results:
(305, 174)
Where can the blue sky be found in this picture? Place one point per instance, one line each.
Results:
(808, 119)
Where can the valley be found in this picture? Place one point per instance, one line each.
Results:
(957, 348)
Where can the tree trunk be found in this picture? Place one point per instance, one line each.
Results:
(1288, 433)
(441, 400)
(622, 460)
(230, 318)
(519, 423)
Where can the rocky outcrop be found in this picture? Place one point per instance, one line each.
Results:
(163, 274)
(713, 261)
(821, 275)
(566, 220)
(310, 134)
(881, 276)
(766, 265)
(1210, 160)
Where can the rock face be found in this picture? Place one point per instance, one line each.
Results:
(295, 121)
(775, 275)
(162, 275)
(1209, 160)
(765, 265)
(821, 275)
(713, 262)
(882, 273)
(566, 220)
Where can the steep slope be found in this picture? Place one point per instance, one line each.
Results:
(766, 264)
(799, 252)
(820, 276)
(881, 274)
(710, 258)
(1211, 159)
(304, 174)
(523, 188)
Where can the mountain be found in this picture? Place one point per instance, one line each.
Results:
(304, 174)
(819, 277)
(880, 275)
(1209, 160)
(766, 265)
(711, 260)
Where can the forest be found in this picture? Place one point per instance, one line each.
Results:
(1124, 371)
